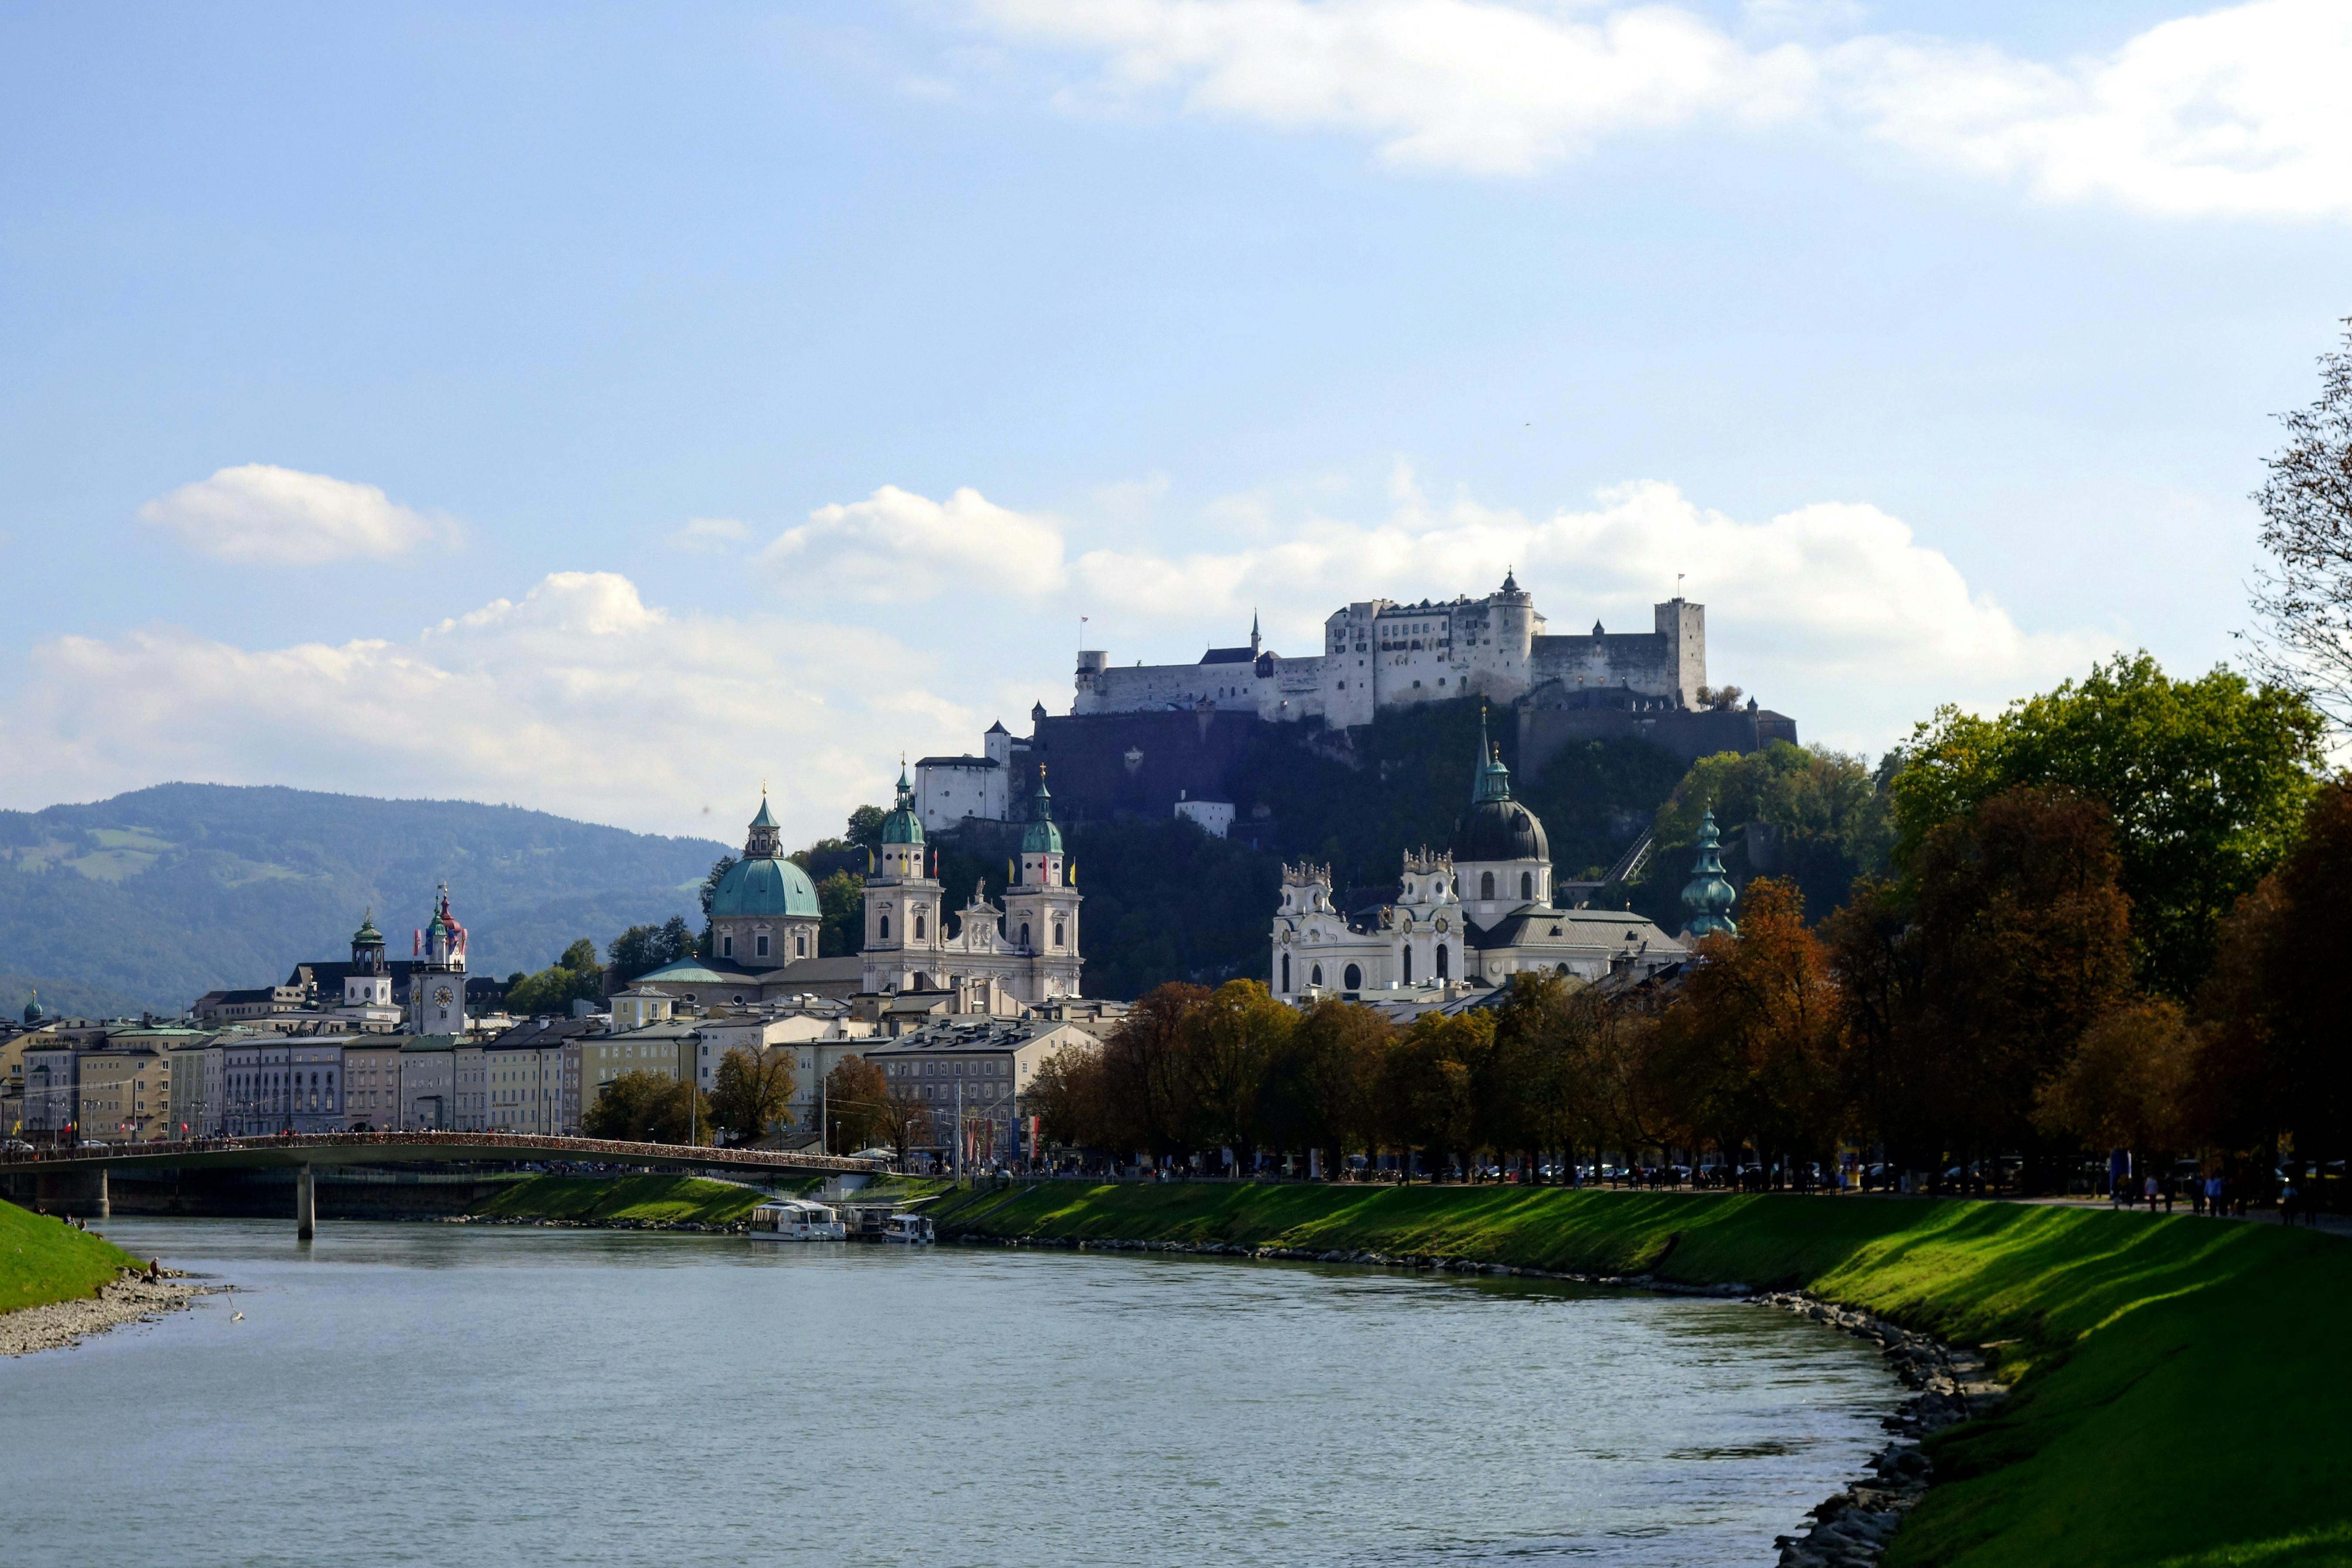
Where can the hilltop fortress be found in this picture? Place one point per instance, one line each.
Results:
(1153, 739)
(1378, 654)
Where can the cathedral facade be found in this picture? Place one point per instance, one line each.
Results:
(1479, 911)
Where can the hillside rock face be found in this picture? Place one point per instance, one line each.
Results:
(160, 895)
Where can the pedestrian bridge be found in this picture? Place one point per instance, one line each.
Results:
(73, 1179)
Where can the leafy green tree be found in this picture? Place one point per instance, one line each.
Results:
(1229, 1040)
(841, 901)
(576, 976)
(1426, 1097)
(718, 869)
(857, 1103)
(1147, 1089)
(1816, 816)
(2302, 593)
(2127, 1085)
(864, 828)
(642, 949)
(1069, 1097)
(1320, 1083)
(752, 1092)
(2206, 780)
(643, 1107)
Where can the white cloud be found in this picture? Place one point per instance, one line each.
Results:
(711, 535)
(2237, 110)
(284, 517)
(2240, 110)
(896, 545)
(578, 698)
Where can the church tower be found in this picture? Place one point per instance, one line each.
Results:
(903, 904)
(369, 982)
(1041, 909)
(436, 980)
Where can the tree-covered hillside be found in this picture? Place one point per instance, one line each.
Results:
(163, 894)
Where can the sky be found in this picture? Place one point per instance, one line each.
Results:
(609, 409)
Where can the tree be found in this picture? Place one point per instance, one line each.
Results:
(2303, 595)
(2127, 1085)
(841, 901)
(866, 827)
(641, 949)
(718, 869)
(2206, 781)
(1146, 1091)
(643, 1107)
(1970, 984)
(1067, 1096)
(1816, 816)
(576, 976)
(752, 1091)
(1425, 1097)
(1228, 1039)
(1751, 1046)
(1320, 1082)
(857, 1103)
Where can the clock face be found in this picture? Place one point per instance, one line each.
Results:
(442, 995)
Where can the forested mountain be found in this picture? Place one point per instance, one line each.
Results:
(157, 896)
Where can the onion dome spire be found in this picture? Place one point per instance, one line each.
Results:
(1709, 895)
(1044, 838)
(903, 825)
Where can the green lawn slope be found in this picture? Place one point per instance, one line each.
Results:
(43, 1259)
(624, 1197)
(2183, 1395)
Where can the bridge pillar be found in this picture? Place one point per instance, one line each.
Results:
(81, 1194)
(306, 1203)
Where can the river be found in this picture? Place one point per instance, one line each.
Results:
(451, 1395)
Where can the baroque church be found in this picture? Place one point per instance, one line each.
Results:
(764, 918)
(1478, 912)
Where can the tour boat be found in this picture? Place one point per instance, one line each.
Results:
(908, 1229)
(794, 1219)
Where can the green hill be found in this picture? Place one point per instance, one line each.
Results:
(160, 895)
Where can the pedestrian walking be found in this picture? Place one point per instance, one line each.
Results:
(2148, 1189)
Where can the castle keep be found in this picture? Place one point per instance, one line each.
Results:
(1378, 654)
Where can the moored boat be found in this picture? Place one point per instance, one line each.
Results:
(794, 1219)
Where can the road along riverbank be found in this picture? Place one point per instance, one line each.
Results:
(2181, 1388)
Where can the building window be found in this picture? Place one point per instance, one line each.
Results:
(763, 946)
(726, 947)
(885, 928)
(1526, 884)
(1315, 976)
(1408, 963)
(1441, 962)
(1352, 978)
(1057, 934)
(800, 945)
(919, 928)
(1485, 884)
(1025, 934)
(1286, 972)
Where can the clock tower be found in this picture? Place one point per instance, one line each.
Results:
(436, 980)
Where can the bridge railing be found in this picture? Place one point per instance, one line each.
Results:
(523, 1145)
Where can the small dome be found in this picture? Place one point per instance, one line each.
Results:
(1709, 895)
(34, 1012)
(367, 935)
(1499, 830)
(764, 886)
(902, 826)
(1042, 836)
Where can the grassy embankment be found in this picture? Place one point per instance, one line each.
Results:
(43, 1259)
(595, 1198)
(2184, 1393)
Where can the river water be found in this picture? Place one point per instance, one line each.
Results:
(450, 1395)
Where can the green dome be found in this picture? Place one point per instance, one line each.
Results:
(33, 1013)
(1043, 838)
(764, 886)
(367, 935)
(902, 826)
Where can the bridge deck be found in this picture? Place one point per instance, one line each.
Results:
(415, 1148)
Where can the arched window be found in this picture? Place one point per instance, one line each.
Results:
(1315, 976)
(1441, 960)
(1352, 978)
(1562, 968)
(1485, 884)
(885, 928)
(1025, 934)
(1526, 884)
(1057, 934)
(1286, 972)
(1408, 963)
(919, 928)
